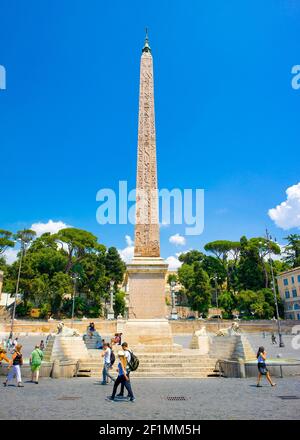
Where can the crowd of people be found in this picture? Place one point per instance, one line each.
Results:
(11, 353)
(123, 369)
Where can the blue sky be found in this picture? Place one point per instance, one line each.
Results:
(227, 118)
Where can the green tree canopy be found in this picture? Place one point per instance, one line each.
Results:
(197, 287)
(292, 250)
(191, 256)
(6, 240)
(77, 243)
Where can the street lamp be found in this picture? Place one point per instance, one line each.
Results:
(75, 277)
(173, 311)
(24, 244)
(217, 302)
(111, 313)
(281, 343)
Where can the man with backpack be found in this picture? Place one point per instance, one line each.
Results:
(132, 364)
(108, 361)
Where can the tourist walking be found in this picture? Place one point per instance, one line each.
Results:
(262, 368)
(273, 339)
(107, 363)
(127, 353)
(15, 363)
(42, 345)
(9, 344)
(122, 378)
(36, 358)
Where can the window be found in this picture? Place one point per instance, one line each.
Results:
(296, 307)
(291, 317)
(287, 294)
(293, 280)
(285, 282)
(298, 278)
(294, 291)
(298, 315)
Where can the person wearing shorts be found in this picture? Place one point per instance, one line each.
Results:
(35, 363)
(262, 368)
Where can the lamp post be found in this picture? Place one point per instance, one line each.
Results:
(174, 314)
(111, 313)
(75, 277)
(24, 242)
(281, 343)
(217, 300)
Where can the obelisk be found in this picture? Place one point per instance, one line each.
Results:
(146, 228)
(147, 309)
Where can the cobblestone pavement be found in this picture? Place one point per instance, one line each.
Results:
(273, 350)
(216, 398)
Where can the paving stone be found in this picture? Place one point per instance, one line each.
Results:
(217, 398)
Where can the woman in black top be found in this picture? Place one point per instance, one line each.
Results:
(15, 363)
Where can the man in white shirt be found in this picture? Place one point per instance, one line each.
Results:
(106, 363)
(128, 358)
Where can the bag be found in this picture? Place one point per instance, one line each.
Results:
(134, 362)
(112, 358)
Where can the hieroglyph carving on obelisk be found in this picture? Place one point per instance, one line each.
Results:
(147, 225)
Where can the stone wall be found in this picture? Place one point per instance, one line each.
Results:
(36, 326)
(189, 327)
(179, 327)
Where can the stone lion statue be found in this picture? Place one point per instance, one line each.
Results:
(229, 331)
(66, 331)
(201, 332)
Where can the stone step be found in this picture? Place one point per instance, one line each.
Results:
(157, 375)
(151, 367)
(157, 364)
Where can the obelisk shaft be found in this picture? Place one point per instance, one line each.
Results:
(147, 223)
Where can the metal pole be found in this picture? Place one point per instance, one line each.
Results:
(111, 299)
(217, 303)
(281, 343)
(73, 305)
(17, 290)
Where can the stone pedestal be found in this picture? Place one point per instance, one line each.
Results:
(146, 285)
(149, 335)
(68, 348)
(110, 315)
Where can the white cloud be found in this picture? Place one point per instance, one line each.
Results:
(10, 255)
(177, 239)
(127, 253)
(128, 240)
(164, 224)
(50, 226)
(173, 262)
(279, 256)
(287, 214)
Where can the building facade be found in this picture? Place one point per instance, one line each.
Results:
(289, 290)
